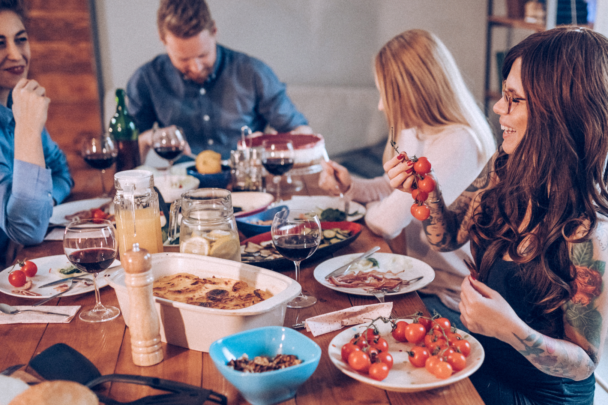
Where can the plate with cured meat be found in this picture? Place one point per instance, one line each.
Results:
(64, 213)
(398, 274)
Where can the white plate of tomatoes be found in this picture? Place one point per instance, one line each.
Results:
(47, 271)
(62, 213)
(403, 376)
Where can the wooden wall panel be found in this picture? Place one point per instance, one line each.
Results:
(63, 62)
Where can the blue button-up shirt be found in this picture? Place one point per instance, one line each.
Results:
(27, 190)
(240, 91)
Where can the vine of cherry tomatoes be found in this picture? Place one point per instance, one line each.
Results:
(439, 348)
(423, 185)
(18, 278)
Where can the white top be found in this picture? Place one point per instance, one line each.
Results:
(456, 161)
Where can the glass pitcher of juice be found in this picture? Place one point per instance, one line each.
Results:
(207, 225)
(136, 211)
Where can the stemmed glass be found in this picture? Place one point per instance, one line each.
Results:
(100, 153)
(91, 245)
(168, 143)
(296, 234)
(277, 158)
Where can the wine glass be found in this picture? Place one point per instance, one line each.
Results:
(296, 234)
(100, 153)
(91, 245)
(168, 143)
(277, 158)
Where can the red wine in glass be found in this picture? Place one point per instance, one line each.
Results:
(168, 152)
(92, 260)
(278, 166)
(296, 247)
(100, 161)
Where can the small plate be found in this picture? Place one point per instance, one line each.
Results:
(403, 377)
(413, 268)
(282, 263)
(60, 211)
(173, 186)
(319, 203)
(46, 274)
(250, 202)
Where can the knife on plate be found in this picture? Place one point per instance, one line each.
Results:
(66, 280)
(342, 269)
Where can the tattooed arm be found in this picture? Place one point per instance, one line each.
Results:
(576, 357)
(447, 229)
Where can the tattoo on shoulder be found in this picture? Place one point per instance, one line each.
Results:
(541, 351)
(581, 311)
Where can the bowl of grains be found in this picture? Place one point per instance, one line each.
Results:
(266, 365)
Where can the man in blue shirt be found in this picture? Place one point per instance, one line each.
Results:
(208, 90)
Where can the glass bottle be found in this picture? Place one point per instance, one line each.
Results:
(137, 212)
(124, 131)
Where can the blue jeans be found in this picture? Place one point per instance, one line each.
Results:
(434, 304)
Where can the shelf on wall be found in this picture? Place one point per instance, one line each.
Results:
(515, 23)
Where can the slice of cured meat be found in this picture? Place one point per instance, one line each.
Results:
(373, 279)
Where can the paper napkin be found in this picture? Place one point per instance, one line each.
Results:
(332, 321)
(37, 317)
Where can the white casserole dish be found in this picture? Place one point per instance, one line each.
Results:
(197, 327)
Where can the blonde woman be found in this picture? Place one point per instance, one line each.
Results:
(426, 101)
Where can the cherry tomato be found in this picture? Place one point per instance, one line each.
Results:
(371, 334)
(436, 346)
(463, 346)
(380, 343)
(29, 268)
(420, 195)
(378, 371)
(420, 212)
(359, 341)
(386, 358)
(442, 370)
(17, 278)
(418, 356)
(414, 332)
(427, 184)
(458, 361)
(429, 364)
(399, 331)
(429, 339)
(426, 322)
(422, 166)
(359, 361)
(452, 337)
(372, 352)
(347, 349)
(442, 323)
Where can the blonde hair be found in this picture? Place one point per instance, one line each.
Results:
(420, 85)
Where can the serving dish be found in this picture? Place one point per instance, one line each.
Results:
(403, 377)
(173, 186)
(318, 203)
(269, 387)
(216, 180)
(60, 211)
(250, 202)
(47, 267)
(407, 268)
(196, 327)
(247, 224)
(282, 263)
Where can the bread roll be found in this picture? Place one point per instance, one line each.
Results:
(208, 162)
(56, 393)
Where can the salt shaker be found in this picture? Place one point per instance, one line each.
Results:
(143, 319)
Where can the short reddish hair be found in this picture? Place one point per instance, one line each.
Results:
(183, 18)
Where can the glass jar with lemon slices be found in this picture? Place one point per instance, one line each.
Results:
(207, 225)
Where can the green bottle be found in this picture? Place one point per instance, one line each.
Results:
(125, 133)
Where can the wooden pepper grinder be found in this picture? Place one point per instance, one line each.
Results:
(144, 324)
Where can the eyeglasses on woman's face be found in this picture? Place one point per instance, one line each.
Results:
(509, 97)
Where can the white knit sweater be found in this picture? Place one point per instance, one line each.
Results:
(456, 161)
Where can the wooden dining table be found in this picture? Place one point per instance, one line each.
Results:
(108, 345)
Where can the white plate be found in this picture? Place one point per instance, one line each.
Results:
(61, 210)
(172, 187)
(403, 377)
(46, 274)
(322, 202)
(413, 268)
(250, 202)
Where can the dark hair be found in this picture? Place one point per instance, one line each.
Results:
(183, 18)
(16, 6)
(558, 170)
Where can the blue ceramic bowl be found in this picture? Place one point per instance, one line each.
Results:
(247, 226)
(218, 180)
(270, 387)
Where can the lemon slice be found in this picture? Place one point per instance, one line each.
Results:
(196, 245)
(218, 233)
(225, 248)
